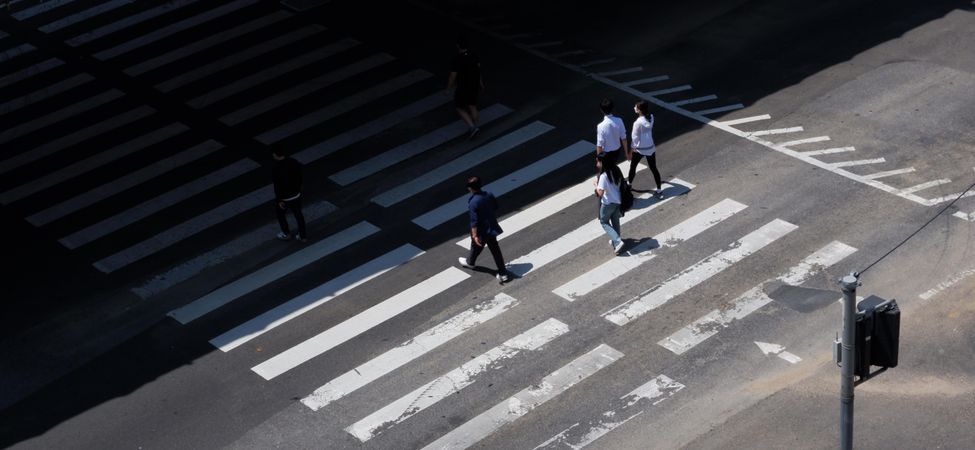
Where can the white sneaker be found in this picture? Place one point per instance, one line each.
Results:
(618, 247)
(283, 236)
(504, 278)
(463, 262)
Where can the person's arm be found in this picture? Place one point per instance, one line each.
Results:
(472, 206)
(625, 143)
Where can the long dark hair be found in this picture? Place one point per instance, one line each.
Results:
(609, 168)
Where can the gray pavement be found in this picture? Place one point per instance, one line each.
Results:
(797, 113)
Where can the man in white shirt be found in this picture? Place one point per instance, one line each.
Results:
(611, 135)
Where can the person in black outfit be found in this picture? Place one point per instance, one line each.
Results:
(484, 228)
(286, 175)
(465, 79)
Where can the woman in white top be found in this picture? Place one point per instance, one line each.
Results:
(608, 191)
(642, 135)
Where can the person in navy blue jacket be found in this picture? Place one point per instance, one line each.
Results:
(484, 228)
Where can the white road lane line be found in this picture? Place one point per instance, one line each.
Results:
(547, 207)
(11, 53)
(162, 201)
(271, 73)
(80, 136)
(805, 141)
(318, 296)
(859, 162)
(713, 322)
(133, 179)
(454, 381)
(306, 88)
(67, 112)
(828, 151)
(272, 272)
(197, 46)
(415, 147)
(39, 8)
(458, 165)
(172, 29)
(92, 162)
(672, 90)
(745, 120)
(577, 437)
(84, 15)
(698, 273)
(257, 51)
(965, 216)
(621, 71)
(545, 44)
(574, 239)
(655, 79)
(31, 71)
(888, 173)
(507, 183)
(185, 230)
(775, 131)
(371, 128)
(127, 22)
(949, 282)
(925, 185)
(244, 243)
(346, 104)
(948, 198)
(617, 267)
(719, 109)
(597, 62)
(571, 53)
(362, 322)
(691, 101)
(528, 399)
(44, 93)
(410, 350)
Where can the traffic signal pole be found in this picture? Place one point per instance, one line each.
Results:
(849, 283)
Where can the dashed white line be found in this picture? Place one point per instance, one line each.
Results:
(888, 173)
(655, 79)
(682, 88)
(775, 131)
(859, 162)
(828, 151)
(925, 185)
(805, 141)
(694, 100)
(719, 109)
(745, 119)
(621, 71)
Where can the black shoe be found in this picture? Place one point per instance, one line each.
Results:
(474, 131)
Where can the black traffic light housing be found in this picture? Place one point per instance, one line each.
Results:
(878, 324)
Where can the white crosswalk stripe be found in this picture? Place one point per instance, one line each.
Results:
(228, 61)
(341, 333)
(320, 295)
(410, 350)
(709, 325)
(127, 22)
(578, 436)
(414, 147)
(528, 399)
(304, 89)
(574, 239)
(272, 272)
(81, 16)
(660, 294)
(507, 183)
(67, 112)
(124, 183)
(173, 29)
(454, 381)
(50, 91)
(343, 106)
(206, 43)
(92, 162)
(61, 143)
(31, 71)
(640, 254)
(460, 164)
(547, 207)
(39, 8)
(160, 202)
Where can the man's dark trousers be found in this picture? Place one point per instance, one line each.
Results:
(492, 243)
(295, 207)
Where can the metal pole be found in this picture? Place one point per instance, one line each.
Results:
(849, 283)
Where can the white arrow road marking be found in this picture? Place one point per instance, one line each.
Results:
(778, 350)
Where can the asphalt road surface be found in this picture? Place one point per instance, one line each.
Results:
(147, 303)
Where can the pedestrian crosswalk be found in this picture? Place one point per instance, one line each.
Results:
(141, 194)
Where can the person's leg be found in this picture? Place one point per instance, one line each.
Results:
(605, 217)
(475, 116)
(295, 207)
(465, 116)
(614, 220)
(492, 243)
(633, 163)
(282, 220)
(652, 162)
(475, 250)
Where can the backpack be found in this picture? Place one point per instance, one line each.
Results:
(626, 191)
